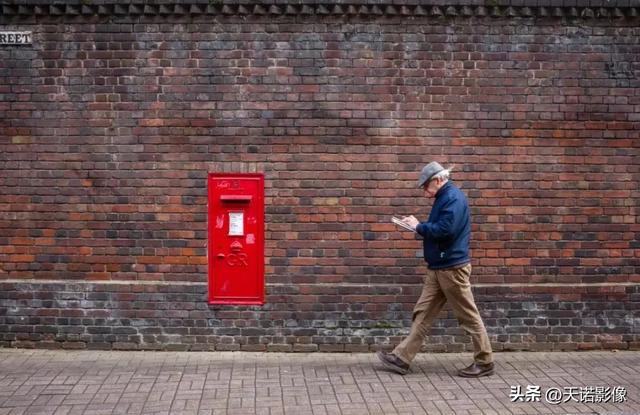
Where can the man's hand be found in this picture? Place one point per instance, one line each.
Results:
(411, 221)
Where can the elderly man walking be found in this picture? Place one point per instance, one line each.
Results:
(446, 236)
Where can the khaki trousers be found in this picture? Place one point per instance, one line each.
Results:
(440, 286)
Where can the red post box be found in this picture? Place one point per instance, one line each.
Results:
(236, 238)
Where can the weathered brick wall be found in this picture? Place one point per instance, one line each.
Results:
(111, 120)
(176, 317)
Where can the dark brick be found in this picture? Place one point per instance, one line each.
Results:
(542, 128)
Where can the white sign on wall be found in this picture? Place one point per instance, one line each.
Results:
(15, 38)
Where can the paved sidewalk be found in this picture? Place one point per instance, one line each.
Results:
(98, 382)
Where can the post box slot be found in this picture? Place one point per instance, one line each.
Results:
(236, 198)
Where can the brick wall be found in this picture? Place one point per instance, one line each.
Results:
(111, 120)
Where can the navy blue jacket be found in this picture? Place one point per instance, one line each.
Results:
(447, 233)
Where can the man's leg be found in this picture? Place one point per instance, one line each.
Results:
(425, 311)
(457, 289)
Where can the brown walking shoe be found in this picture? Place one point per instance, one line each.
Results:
(393, 362)
(476, 370)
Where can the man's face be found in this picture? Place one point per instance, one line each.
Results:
(431, 187)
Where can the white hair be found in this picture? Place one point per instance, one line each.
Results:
(444, 174)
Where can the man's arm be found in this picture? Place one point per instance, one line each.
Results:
(447, 224)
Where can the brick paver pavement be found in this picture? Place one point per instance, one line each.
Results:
(100, 382)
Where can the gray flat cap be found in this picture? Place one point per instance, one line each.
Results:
(428, 172)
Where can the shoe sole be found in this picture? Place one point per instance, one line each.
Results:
(487, 373)
(392, 367)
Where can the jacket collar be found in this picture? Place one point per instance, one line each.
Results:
(444, 189)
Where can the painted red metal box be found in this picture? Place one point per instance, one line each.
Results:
(236, 238)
